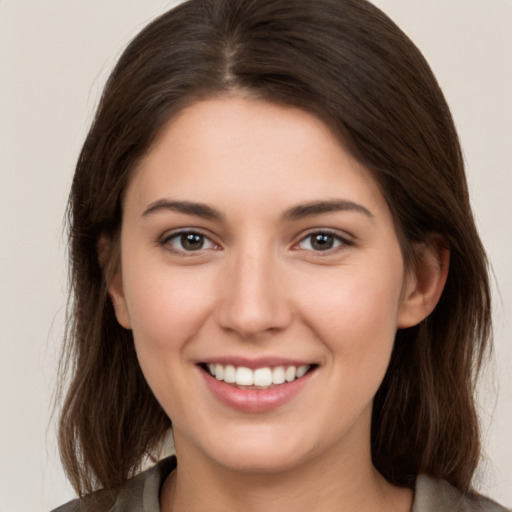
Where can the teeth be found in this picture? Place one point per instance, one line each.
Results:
(278, 375)
(244, 376)
(261, 377)
(229, 374)
(301, 370)
(219, 372)
(290, 373)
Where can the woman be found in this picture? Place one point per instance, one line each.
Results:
(272, 248)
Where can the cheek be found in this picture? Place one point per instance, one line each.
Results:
(167, 307)
(357, 317)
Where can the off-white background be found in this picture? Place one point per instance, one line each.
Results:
(54, 58)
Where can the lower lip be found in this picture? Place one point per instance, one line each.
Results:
(255, 400)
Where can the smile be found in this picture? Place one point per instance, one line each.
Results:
(262, 388)
(258, 378)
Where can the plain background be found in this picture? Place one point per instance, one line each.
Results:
(54, 58)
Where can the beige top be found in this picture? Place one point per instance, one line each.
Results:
(141, 494)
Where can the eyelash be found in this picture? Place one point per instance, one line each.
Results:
(339, 242)
(180, 237)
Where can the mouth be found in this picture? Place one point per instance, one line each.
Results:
(263, 378)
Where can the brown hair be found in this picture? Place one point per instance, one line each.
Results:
(345, 61)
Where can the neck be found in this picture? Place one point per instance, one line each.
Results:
(327, 485)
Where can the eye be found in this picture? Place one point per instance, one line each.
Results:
(188, 241)
(322, 241)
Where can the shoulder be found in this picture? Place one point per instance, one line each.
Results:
(139, 493)
(433, 495)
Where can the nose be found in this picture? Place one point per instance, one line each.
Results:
(254, 299)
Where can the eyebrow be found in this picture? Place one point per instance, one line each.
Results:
(320, 207)
(187, 207)
(298, 212)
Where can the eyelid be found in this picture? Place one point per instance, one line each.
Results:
(175, 233)
(344, 238)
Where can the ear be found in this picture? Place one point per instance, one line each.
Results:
(109, 258)
(425, 281)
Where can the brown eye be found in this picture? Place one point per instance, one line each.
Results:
(192, 241)
(189, 241)
(322, 241)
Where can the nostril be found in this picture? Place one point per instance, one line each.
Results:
(251, 320)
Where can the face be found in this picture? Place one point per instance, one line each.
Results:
(264, 283)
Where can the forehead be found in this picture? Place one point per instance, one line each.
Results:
(253, 151)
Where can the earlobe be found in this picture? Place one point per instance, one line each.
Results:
(116, 293)
(109, 260)
(425, 282)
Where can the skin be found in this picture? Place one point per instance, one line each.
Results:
(258, 287)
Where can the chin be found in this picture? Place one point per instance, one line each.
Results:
(258, 460)
(262, 451)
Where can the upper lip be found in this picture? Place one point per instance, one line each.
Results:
(260, 362)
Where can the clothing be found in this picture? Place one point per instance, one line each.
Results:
(141, 493)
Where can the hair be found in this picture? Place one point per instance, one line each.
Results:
(350, 65)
